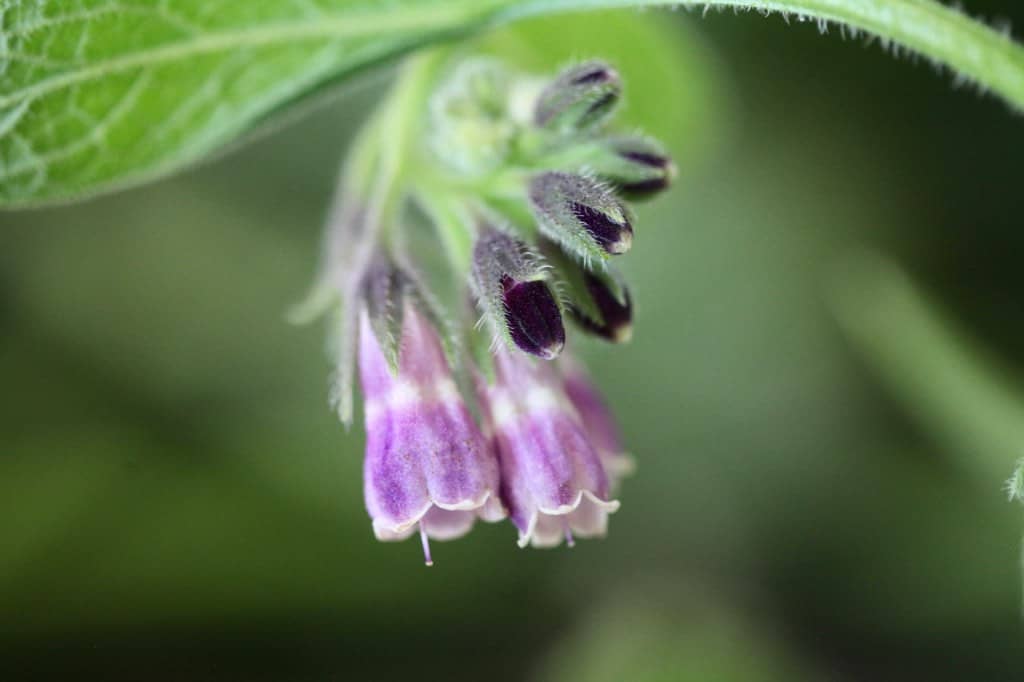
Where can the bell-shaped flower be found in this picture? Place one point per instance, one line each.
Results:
(552, 478)
(427, 463)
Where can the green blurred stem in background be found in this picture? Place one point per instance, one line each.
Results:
(939, 376)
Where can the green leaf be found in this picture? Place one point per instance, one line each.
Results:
(101, 94)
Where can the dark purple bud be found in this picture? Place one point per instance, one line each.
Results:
(579, 98)
(637, 166)
(613, 236)
(580, 214)
(509, 280)
(533, 318)
(615, 309)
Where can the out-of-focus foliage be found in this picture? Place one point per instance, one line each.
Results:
(655, 634)
(180, 503)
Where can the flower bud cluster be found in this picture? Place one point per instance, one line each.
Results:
(527, 195)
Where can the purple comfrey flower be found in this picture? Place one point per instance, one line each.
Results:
(597, 419)
(427, 463)
(552, 478)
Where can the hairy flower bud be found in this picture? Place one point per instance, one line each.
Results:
(637, 166)
(579, 98)
(511, 287)
(581, 214)
(614, 307)
(533, 317)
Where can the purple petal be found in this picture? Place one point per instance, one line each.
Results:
(425, 457)
(597, 418)
(548, 466)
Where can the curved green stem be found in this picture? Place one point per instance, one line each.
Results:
(945, 35)
(399, 124)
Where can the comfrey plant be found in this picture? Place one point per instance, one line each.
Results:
(528, 196)
(472, 406)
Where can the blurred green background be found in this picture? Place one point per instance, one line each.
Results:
(824, 396)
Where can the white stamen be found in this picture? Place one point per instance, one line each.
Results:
(569, 539)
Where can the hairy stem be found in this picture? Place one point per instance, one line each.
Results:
(944, 35)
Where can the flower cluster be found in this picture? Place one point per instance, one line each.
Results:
(458, 251)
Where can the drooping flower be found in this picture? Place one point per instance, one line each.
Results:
(427, 464)
(552, 478)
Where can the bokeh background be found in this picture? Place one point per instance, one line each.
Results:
(824, 395)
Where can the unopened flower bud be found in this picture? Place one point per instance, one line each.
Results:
(533, 318)
(581, 214)
(511, 287)
(579, 98)
(612, 303)
(638, 167)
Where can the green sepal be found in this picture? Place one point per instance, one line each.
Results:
(384, 292)
(480, 341)
(552, 198)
